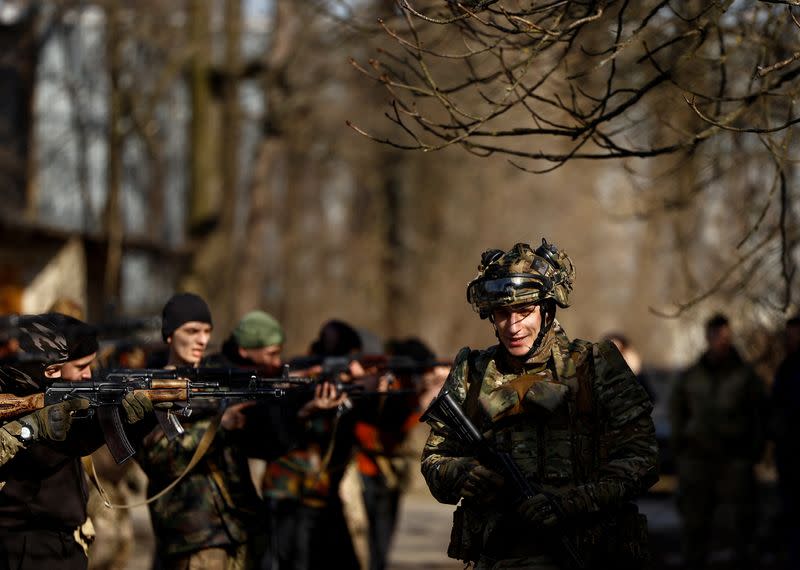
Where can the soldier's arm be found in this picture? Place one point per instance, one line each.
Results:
(445, 462)
(629, 438)
(9, 446)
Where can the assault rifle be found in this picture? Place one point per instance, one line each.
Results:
(108, 388)
(330, 369)
(446, 410)
(382, 362)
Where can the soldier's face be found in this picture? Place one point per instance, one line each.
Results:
(518, 327)
(73, 370)
(188, 343)
(267, 357)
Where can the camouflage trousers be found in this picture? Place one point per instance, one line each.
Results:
(541, 562)
(211, 559)
(703, 489)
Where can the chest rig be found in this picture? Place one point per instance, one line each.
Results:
(545, 417)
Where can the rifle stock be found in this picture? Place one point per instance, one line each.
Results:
(13, 406)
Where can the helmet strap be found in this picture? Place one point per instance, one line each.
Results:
(548, 310)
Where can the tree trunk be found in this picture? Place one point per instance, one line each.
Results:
(114, 221)
(203, 210)
(19, 56)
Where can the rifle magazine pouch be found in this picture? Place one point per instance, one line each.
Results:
(466, 536)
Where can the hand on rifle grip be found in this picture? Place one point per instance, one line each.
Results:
(538, 510)
(136, 406)
(233, 417)
(53, 422)
(326, 397)
(482, 485)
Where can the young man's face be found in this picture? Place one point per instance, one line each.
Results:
(188, 343)
(267, 357)
(73, 370)
(518, 327)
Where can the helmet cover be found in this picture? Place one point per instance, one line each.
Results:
(521, 276)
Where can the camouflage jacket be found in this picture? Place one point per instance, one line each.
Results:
(717, 411)
(312, 472)
(214, 505)
(9, 446)
(579, 424)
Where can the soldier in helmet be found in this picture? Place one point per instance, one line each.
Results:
(569, 412)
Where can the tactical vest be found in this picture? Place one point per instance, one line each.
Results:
(549, 423)
(546, 420)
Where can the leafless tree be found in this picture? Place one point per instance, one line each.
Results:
(695, 99)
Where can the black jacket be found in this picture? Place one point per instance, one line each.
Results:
(45, 485)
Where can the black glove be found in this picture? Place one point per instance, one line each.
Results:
(539, 511)
(51, 422)
(136, 406)
(482, 485)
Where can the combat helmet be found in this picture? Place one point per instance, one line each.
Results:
(521, 276)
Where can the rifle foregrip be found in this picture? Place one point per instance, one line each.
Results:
(12, 406)
(165, 394)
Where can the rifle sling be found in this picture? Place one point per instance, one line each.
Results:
(474, 390)
(202, 447)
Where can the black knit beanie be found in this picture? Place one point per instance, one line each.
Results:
(183, 308)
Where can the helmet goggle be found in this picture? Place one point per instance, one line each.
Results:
(485, 294)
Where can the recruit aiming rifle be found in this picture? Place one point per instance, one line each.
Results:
(446, 410)
(106, 390)
(402, 368)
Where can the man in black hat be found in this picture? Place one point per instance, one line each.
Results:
(210, 518)
(43, 522)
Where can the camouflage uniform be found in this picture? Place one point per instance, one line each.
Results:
(716, 412)
(214, 506)
(9, 446)
(593, 465)
(569, 413)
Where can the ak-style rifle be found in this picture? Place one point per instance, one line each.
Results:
(107, 388)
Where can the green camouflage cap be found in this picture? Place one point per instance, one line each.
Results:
(521, 276)
(258, 329)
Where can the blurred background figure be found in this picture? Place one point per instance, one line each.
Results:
(633, 359)
(302, 488)
(382, 457)
(717, 409)
(786, 433)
